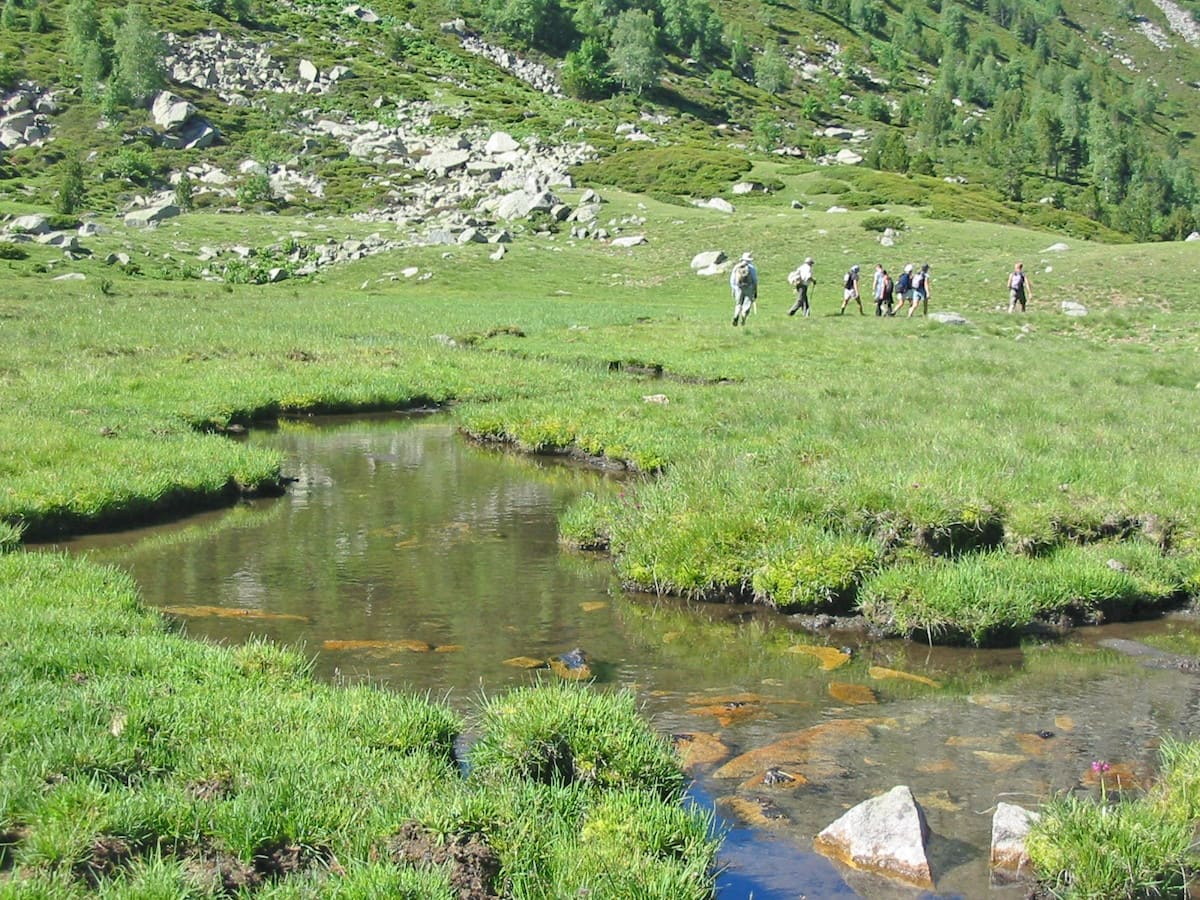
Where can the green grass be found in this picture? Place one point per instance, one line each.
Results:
(1141, 847)
(139, 763)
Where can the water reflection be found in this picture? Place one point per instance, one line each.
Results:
(405, 555)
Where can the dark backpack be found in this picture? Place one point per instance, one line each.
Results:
(849, 281)
(741, 275)
(887, 289)
(905, 283)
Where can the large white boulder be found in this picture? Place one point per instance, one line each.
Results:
(501, 142)
(886, 835)
(171, 111)
(708, 258)
(150, 215)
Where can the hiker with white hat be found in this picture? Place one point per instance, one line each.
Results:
(743, 281)
(920, 291)
(801, 279)
(850, 291)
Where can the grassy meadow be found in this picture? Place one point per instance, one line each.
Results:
(950, 482)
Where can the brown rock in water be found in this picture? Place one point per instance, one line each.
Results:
(820, 742)
(885, 835)
(699, 748)
(755, 811)
(1037, 745)
(1000, 762)
(728, 713)
(229, 612)
(1114, 777)
(572, 666)
(526, 662)
(409, 645)
(854, 694)
(774, 778)
(830, 657)
(882, 673)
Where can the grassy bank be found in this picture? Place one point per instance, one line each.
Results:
(138, 763)
(1111, 847)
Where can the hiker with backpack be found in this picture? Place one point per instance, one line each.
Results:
(904, 287)
(883, 290)
(920, 291)
(850, 291)
(802, 279)
(743, 282)
(1019, 288)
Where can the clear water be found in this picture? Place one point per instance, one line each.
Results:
(405, 555)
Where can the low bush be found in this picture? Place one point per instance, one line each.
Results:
(687, 171)
(883, 223)
(9, 250)
(987, 596)
(813, 571)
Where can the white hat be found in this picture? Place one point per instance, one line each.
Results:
(809, 260)
(747, 257)
(908, 268)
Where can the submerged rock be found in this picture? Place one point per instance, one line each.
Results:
(572, 665)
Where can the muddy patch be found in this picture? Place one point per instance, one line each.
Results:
(474, 866)
(8, 842)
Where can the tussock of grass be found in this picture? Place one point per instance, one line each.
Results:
(814, 571)
(1141, 847)
(564, 734)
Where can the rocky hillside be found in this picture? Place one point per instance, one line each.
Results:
(455, 121)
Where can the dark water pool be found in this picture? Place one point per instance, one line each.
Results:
(405, 555)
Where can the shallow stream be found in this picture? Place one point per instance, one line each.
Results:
(405, 555)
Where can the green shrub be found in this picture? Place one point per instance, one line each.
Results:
(60, 222)
(687, 171)
(9, 250)
(883, 223)
(254, 190)
(134, 164)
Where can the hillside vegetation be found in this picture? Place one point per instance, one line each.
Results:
(1057, 114)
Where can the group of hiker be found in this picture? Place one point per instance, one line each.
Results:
(911, 288)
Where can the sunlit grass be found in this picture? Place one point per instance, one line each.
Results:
(133, 760)
(1143, 847)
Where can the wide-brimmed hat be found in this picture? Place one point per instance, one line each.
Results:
(908, 268)
(747, 257)
(809, 260)
(854, 268)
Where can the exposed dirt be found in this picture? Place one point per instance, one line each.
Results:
(474, 866)
(232, 875)
(8, 840)
(107, 855)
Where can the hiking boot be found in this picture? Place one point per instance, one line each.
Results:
(735, 320)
